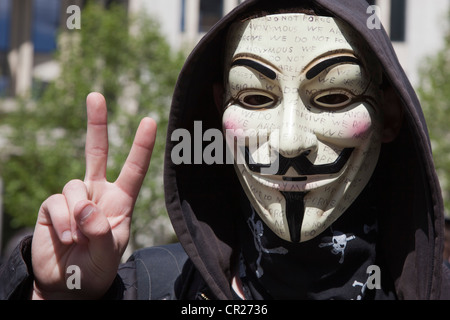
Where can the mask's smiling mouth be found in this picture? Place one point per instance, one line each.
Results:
(301, 178)
(309, 176)
(302, 165)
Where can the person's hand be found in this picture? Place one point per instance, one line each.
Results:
(88, 225)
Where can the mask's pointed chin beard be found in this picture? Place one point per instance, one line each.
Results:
(295, 210)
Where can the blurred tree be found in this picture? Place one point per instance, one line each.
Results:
(434, 93)
(129, 61)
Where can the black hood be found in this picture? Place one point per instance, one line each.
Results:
(203, 200)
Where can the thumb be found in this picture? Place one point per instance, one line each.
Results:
(94, 225)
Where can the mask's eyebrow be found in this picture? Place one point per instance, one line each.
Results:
(318, 68)
(266, 71)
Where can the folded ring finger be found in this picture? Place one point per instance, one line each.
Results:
(74, 191)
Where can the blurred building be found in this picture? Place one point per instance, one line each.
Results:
(28, 41)
(184, 21)
(28, 32)
(416, 27)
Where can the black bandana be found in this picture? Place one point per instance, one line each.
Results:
(333, 265)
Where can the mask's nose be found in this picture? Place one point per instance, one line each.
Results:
(296, 134)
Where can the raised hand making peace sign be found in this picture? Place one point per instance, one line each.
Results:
(88, 225)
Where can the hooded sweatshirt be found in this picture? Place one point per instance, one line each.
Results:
(205, 201)
(394, 230)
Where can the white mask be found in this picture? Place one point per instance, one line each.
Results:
(298, 83)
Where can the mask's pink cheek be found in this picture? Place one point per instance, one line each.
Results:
(233, 120)
(230, 125)
(350, 128)
(345, 132)
(233, 127)
(361, 129)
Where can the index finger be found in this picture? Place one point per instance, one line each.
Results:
(135, 168)
(96, 149)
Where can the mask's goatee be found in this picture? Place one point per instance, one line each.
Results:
(295, 210)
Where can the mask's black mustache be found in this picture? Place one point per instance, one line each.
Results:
(301, 164)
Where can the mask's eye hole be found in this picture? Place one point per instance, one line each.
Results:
(256, 100)
(332, 99)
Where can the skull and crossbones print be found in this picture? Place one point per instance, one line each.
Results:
(338, 243)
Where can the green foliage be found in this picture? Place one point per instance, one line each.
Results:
(135, 71)
(434, 93)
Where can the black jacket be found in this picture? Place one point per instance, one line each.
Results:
(203, 201)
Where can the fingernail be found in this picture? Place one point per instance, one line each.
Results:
(66, 236)
(86, 212)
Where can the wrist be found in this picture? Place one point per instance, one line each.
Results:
(36, 294)
(114, 292)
